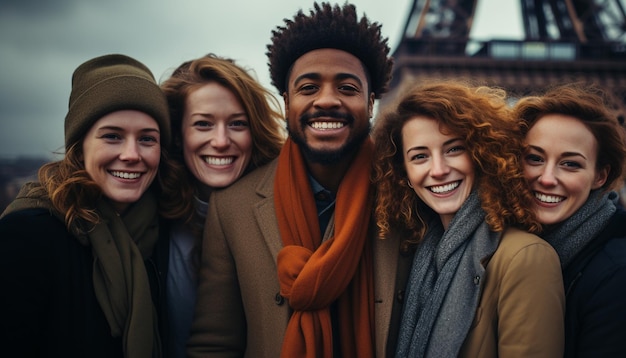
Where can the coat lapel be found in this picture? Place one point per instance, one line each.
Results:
(265, 211)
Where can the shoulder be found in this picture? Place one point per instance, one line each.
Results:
(514, 240)
(607, 251)
(30, 222)
(259, 181)
(521, 248)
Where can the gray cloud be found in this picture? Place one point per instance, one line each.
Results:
(42, 42)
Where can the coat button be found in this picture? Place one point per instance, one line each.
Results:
(400, 296)
(279, 300)
(476, 280)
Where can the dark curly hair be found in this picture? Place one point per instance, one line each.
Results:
(494, 143)
(330, 27)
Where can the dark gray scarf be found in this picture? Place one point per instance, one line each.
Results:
(444, 285)
(570, 236)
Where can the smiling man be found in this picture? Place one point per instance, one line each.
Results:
(287, 260)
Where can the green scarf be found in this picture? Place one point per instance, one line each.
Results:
(119, 245)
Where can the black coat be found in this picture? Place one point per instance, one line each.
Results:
(595, 287)
(48, 307)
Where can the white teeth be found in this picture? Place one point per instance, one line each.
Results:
(444, 188)
(549, 198)
(218, 161)
(327, 125)
(126, 175)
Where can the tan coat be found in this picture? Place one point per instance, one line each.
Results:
(239, 311)
(522, 306)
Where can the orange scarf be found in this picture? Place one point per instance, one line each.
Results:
(313, 274)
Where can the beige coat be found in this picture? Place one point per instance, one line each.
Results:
(522, 305)
(239, 311)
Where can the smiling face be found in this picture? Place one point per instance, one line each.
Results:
(560, 165)
(328, 105)
(217, 142)
(437, 165)
(121, 153)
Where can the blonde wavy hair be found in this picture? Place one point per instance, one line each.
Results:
(493, 140)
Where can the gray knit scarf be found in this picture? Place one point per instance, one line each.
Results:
(443, 289)
(570, 236)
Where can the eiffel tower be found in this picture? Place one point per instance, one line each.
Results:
(564, 41)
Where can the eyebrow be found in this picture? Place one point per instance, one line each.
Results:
(120, 129)
(317, 76)
(564, 154)
(448, 142)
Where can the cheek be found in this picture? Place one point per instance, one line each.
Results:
(530, 172)
(152, 157)
(245, 143)
(413, 174)
(581, 187)
(192, 142)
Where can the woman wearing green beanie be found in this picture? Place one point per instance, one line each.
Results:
(80, 268)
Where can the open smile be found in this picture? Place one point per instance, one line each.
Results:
(218, 160)
(327, 125)
(125, 175)
(443, 189)
(550, 199)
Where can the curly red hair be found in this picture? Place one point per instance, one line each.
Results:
(492, 138)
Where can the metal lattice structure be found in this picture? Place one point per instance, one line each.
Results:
(564, 41)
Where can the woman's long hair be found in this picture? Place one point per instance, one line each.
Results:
(73, 193)
(493, 139)
(261, 107)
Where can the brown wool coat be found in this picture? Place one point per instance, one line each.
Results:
(239, 311)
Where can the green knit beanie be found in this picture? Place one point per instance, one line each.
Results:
(112, 83)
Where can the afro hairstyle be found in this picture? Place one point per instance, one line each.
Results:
(330, 27)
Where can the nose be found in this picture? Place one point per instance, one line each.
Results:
(220, 139)
(327, 98)
(439, 167)
(130, 151)
(547, 177)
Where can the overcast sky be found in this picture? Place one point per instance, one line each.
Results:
(42, 42)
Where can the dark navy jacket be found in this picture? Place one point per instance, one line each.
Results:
(595, 287)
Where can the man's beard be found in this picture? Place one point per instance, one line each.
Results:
(328, 157)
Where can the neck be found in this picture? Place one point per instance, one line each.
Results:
(203, 191)
(330, 175)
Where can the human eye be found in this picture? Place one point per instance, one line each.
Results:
(456, 149)
(203, 124)
(148, 139)
(571, 164)
(239, 124)
(533, 159)
(308, 88)
(111, 136)
(417, 157)
(349, 88)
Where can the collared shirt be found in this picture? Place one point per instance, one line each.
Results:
(325, 203)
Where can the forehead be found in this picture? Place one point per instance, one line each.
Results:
(561, 126)
(328, 62)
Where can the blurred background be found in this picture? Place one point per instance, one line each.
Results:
(521, 45)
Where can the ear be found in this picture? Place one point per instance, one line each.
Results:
(601, 176)
(370, 105)
(286, 101)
